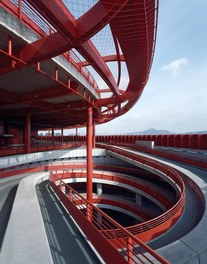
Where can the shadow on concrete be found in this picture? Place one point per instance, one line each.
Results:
(5, 212)
(191, 216)
(66, 243)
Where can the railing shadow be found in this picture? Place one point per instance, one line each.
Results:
(5, 212)
(66, 243)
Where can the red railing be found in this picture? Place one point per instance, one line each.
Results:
(16, 150)
(167, 219)
(194, 161)
(126, 180)
(96, 223)
(184, 141)
(34, 20)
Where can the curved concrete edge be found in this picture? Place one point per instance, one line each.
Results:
(192, 248)
(148, 168)
(25, 238)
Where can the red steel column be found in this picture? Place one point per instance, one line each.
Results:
(52, 135)
(76, 134)
(89, 153)
(27, 133)
(62, 139)
(94, 135)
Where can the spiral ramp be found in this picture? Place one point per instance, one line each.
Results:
(181, 236)
(48, 215)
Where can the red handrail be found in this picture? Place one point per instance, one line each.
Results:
(115, 177)
(175, 212)
(125, 241)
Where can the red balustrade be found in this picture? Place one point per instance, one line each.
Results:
(111, 235)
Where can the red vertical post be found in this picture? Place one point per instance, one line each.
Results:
(52, 135)
(10, 45)
(68, 82)
(129, 251)
(56, 73)
(27, 133)
(89, 153)
(38, 66)
(20, 9)
(76, 134)
(68, 53)
(62, 137)
(94, 135)
(49, 135)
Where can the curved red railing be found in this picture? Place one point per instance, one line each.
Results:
(115, 177)
(130, 207)
(149, 229)
(120, 203)
(87, 216)
(57, 165)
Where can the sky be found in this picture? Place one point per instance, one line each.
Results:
(175, 97)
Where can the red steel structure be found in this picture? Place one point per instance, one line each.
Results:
(50, 64)
(45, 83)
(110, 232)
(133, 26)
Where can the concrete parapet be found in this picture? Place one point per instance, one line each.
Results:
(25, 238)
(145, 144)
(15, 160)
(190, 154)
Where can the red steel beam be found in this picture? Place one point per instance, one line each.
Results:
(58, 15)
(56, 44)
(89, 184)
(108, 58)
(34, 97)
(133, 18)
(89, 51)
(47, 93)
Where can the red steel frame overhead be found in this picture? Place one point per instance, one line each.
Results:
(133, 26)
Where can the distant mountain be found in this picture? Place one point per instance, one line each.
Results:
(152, 131)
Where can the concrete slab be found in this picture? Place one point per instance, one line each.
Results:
(25, 239)
(179, 253)
(191, 248)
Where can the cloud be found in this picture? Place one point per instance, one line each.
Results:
(175, 66)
